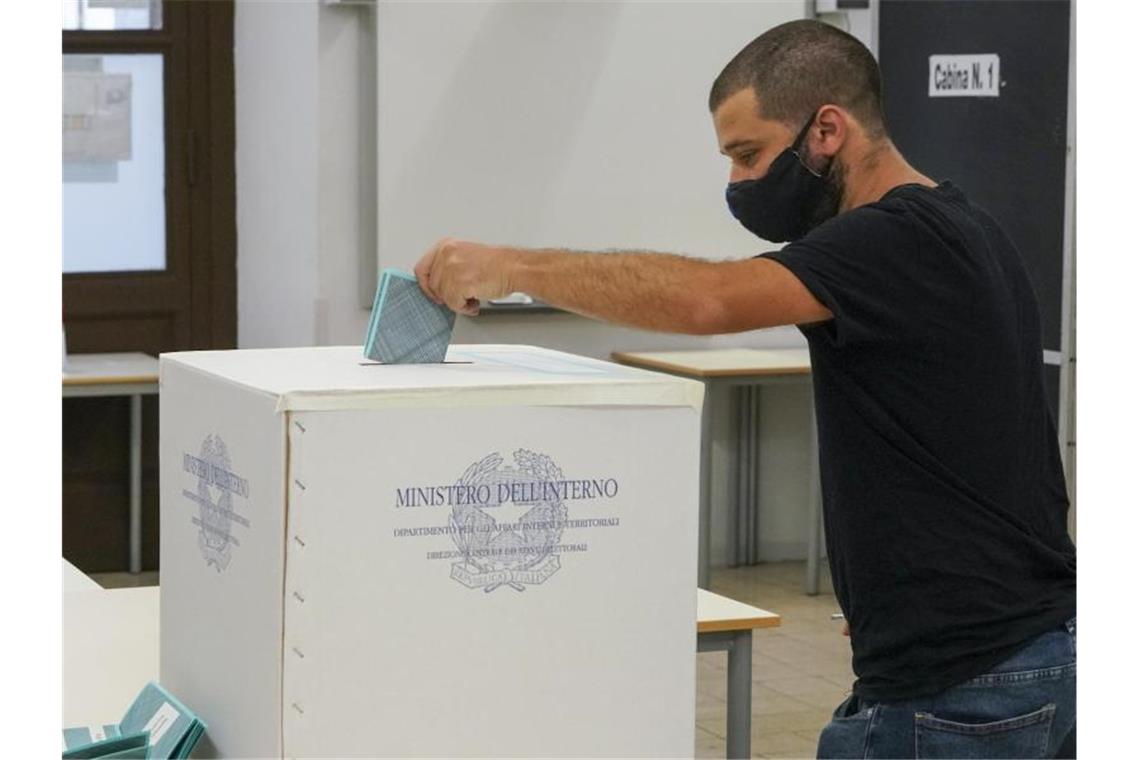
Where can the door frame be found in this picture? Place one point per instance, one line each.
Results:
(198, 288)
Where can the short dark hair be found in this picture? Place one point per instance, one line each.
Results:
(797, 67)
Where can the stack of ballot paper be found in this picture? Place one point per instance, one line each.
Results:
(155, 726)
(406, 326)
(103, 742)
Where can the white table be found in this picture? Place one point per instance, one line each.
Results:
(110, 651)
(126, 374)
(726, 624)
(75, 580)
(111, 640)
(749, 369)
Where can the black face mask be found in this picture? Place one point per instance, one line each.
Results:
(788, 201)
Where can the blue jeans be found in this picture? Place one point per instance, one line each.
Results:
(1025, 708)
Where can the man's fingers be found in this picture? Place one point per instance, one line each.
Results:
(435, 268)
(449, 274)
(459, 304)
(423, 271)
(846, 628)
(439, 278)
(423, 268)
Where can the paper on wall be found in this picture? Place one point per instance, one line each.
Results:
(96, 116)
(120, 4)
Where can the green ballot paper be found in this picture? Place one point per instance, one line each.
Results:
(173, 728)
(104, 742)
(83, 735)
(156, 725)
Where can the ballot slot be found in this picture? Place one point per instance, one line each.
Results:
(382, 364)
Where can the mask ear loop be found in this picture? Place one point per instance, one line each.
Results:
(795, 146)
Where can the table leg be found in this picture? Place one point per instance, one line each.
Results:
(815, 509)
(136, 485)
(746, 545)
(739, 698)
(704, 535)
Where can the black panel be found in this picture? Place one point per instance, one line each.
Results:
(1007, 153)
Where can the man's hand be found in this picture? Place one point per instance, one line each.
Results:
(459, 274)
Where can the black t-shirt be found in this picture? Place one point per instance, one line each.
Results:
(944, 498)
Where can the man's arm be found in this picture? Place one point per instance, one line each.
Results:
(653, 291)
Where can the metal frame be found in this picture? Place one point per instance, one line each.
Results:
(738, 644)
(713, 387)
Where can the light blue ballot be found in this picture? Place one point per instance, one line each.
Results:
(406, 326)
(73, 738)
(174, 729)
(103, 742)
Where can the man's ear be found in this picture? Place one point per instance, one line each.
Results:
(830, 131)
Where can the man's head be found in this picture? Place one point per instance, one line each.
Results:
(795, 73)
(797, 110)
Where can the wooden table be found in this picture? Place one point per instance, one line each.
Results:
(111, 639)
(747, 369)
(126, 374)
(725, 624)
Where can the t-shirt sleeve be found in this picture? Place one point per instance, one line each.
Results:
(861, 266)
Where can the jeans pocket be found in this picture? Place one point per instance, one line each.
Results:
(1024, 736)
(846, 735)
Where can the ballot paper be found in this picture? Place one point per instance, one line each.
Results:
(156, 725)
(103, 742)
(174, 730)
(406, 326)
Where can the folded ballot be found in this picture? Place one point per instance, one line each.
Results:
(406, 326)
(156, 725)
(103, 742)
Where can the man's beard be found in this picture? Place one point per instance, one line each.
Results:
(834, 185)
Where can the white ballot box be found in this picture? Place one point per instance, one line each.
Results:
(494, 556)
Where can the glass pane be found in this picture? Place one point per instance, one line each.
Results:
(114, 178)
(112, 15)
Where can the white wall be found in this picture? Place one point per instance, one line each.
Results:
(276, 84)
(572, 124)
(306, 246)
(347, 174)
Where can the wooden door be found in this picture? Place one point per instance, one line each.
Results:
(185, 298)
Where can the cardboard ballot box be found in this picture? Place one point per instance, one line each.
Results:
(494, 556)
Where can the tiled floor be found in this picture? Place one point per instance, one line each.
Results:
(800, 671)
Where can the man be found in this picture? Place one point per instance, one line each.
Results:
(944, 498)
